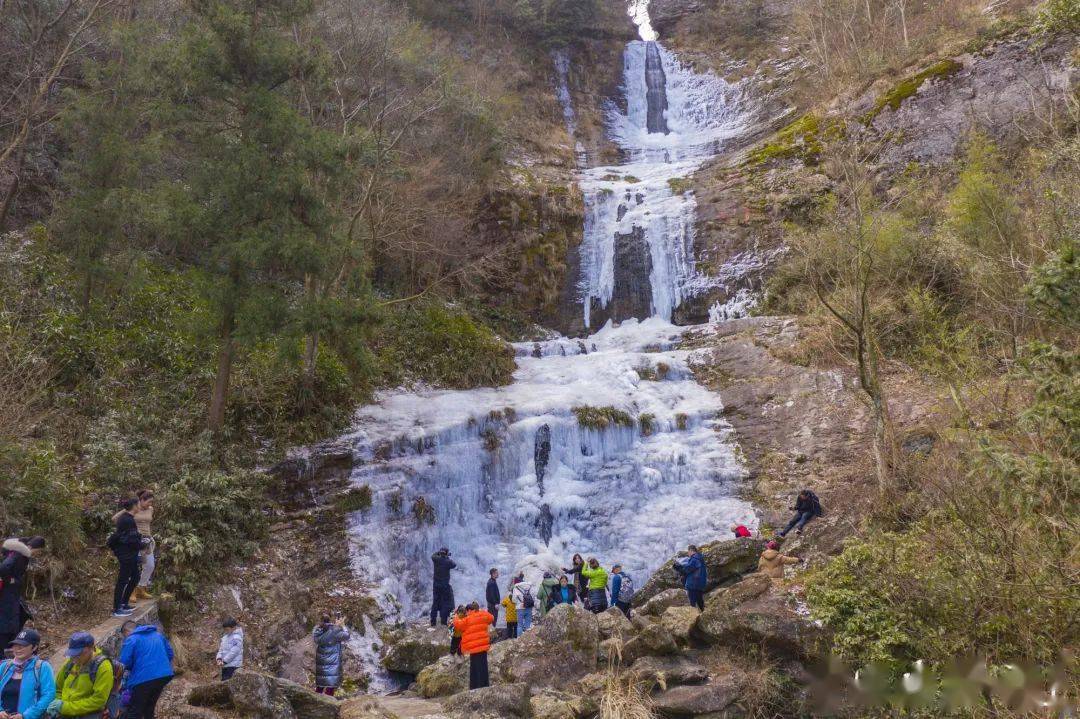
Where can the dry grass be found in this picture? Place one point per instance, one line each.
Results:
(624, 698)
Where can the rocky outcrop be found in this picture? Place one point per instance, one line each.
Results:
(679, 622)
(556, 705)
(411, 648)
(665, 672)
(259, 696)
(654, 640)
(726, 560)
(560, 649)
(704, 700)
(755, 612)
(506, 701)
(449, 675)
(660, 603)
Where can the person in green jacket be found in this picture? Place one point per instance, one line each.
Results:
(544, 598)
(597, 586)
(85, 681)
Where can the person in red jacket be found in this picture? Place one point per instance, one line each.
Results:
(740, 530)
(475, 641)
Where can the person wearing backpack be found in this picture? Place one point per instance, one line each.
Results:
(15, 561)
(126, 543)
(526, 603)
(86, 685)
(695, 577)
(807, 506)
(545, 598)
(622, 589)
(230, 656)
(27, 687)
(147, 656)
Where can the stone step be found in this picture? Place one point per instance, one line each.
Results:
(107, 634)
(399, 707)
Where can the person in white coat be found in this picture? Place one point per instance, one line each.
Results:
(230, 656)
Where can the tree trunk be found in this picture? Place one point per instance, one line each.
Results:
(311, 352)
(220, 393)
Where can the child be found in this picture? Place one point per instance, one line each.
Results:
(230, 656)
(457, 623)
(511, 615)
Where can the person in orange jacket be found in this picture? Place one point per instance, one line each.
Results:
(475, 641)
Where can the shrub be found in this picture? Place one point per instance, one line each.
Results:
(682, 420)
(600, 418)
(356, 499)
(1058, 16)
(647, 422)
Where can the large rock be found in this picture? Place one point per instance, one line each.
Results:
(556, 705)
(412, 648)
(679, 622)
(260, 696)
(449, 675)
(559, 650)
(652, 641)
(754, 612)
(699, 700)
(613, 623)
(726, 561)
(504, 701)
(667, 598)
(665, 672)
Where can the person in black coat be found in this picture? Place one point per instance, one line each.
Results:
(493, 597)
(807, 506)
(15, 561)
(126, 543)
(442, 594)
(581, 583)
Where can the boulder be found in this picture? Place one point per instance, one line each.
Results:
(555, 705)
(184, 711)
(411, 648)
(755, 612)
(449, 675)
(667, 598)
(306, 703)
(503, 701)
(679, 622)
(652, 641)
(613, 623)
(559, 650)
(693, 700)
(260, 696)
(726, 561)
(214, 694)
(665, 672)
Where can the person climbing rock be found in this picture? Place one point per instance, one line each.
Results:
(476, 641)
(457, 625)
(740, 531)
(807, 506)
(511, 614)
(493, 596)
(27, 687)
(525, 602)
(622, 589)
(772, 562)
(17, 554)
(230, 655)
(126, 543)
(329, 658)
(580, 582)
(442, 594)
(695, 576)
(147, 656)
(597, 586)
(85, 682)
(564, 593)
(544, 598)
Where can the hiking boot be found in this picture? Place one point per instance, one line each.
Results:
(141, 594)
(123, 612)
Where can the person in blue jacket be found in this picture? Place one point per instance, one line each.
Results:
(695, 577)
(147, 656)
(27, 686)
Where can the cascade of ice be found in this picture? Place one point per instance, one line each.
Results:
(606, 445)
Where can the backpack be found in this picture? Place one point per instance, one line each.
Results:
(815, 504)
(527, 601)
(626, 589)
(112, 708)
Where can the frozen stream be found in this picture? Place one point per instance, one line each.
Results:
(516, 477)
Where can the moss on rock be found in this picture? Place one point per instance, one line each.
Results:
(602, 417)
(896, 96)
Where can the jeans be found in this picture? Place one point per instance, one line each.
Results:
(798, 522)
(442, 603)
(525, 617)
(227, 672)
(148, 564)
(624, 607)
(478, 671)
(126, 579)
(697, 598)
(144, 698)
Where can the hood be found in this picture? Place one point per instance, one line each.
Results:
(144, 629)
(770, 554)
(238, 632)
(14, 545)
